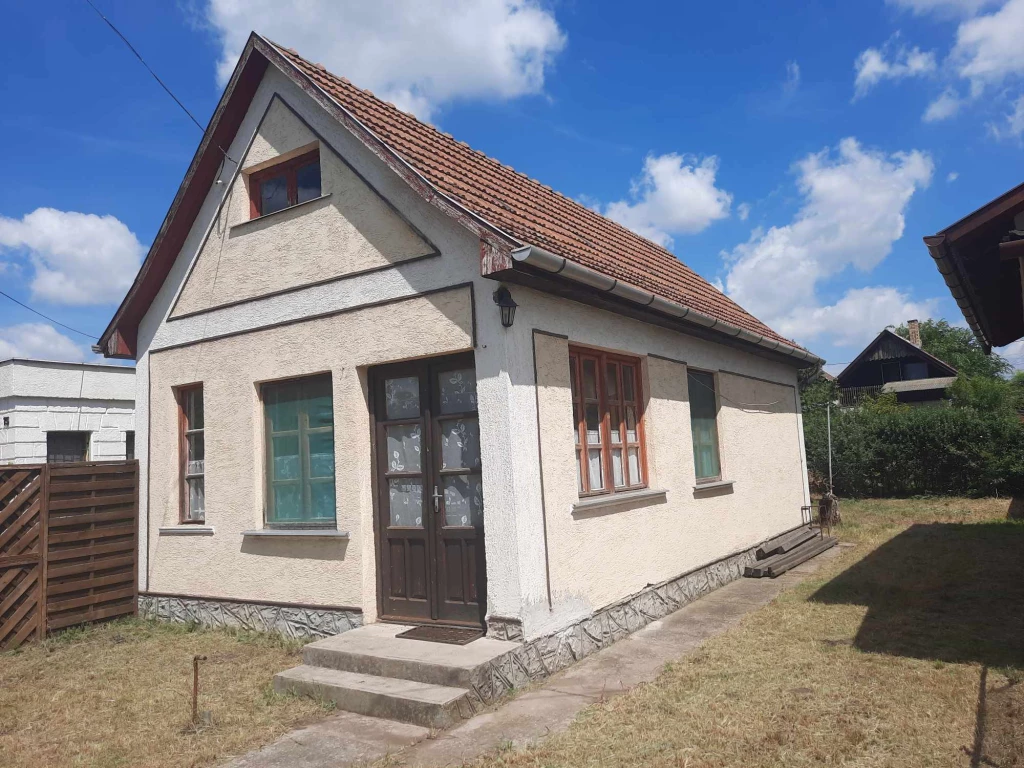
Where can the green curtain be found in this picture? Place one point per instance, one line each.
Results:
(703, 415)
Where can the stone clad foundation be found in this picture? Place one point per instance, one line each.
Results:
(294, 621)
(543, 656)
(529, 662)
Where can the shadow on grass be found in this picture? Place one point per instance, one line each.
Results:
(944, 591)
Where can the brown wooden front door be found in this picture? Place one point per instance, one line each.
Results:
(430, 534)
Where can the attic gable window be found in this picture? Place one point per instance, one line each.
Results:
(286, 184)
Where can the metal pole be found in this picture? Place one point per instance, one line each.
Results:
(829, 419)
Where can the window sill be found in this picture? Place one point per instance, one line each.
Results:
(187, 529)
(296, 533)
(717, 485)
(236, 228)
(591, 503)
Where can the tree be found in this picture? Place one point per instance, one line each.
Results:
(959, 348)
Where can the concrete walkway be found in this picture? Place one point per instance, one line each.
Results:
(347, 739)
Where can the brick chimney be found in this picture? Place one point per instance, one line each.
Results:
(914, 329)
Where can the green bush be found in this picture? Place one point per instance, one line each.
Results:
(900, 451)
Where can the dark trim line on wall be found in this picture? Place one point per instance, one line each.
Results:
(332, 313)
(304, 286)
(668, 359)
(434, 251)
(540, 457)
(274, 603)
(756, 378)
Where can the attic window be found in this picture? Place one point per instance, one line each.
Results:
(286, 184)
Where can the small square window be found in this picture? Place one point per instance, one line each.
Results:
(285, 184)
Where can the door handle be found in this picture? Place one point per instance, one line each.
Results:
(436, 496)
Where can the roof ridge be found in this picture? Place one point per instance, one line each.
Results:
(526, 208)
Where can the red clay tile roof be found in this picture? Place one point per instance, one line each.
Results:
(528, 210)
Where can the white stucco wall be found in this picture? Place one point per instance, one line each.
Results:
(350, 229)
(332, 572)
(37, 397)
(598, 557)
(338, 326)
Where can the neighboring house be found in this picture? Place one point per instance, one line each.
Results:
(892, 364)
(980, 258)
(58, 412)
(382, 376)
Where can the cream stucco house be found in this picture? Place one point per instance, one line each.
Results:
(337, 428)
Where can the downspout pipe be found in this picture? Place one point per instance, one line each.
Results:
(559, 265)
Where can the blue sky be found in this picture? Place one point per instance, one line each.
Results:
(794, 152)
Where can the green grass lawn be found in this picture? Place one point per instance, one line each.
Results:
(118, 695)
(907, 650)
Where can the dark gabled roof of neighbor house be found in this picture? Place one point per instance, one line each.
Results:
(889, 337)
(985, 284)
(514, 215)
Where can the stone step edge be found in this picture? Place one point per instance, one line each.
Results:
(364, 663)
(365, 695)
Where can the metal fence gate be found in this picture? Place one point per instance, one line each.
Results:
(68, 546)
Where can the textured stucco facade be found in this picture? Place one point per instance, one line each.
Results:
(38, 396)
(550, 567)
(349, 229)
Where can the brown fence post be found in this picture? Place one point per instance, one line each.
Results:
(44, 537)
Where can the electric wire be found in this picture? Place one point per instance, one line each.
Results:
(46, 317)
(156, 77)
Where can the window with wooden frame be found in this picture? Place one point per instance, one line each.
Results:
(607, 405)
(285, 184)
(704, 426)
(192, 455)
(299, 423)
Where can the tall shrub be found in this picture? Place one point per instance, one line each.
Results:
(918, 451)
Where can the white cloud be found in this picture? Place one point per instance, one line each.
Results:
(988, 48)
(1013, 125)
(743, 211)
(675, 195)
(78, 258)
(952, 176)
(418, 54)
(877, 64)
(852, 212)
(39, 341)
(856, 318)
(944, 107)
(792, 77)
(1014, 353)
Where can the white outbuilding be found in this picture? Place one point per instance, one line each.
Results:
(58, 412)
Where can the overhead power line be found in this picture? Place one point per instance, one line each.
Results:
(45, 317)
(156, 77)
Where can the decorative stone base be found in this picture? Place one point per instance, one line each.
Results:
(543, 656)
(294, 621)
(504, 628)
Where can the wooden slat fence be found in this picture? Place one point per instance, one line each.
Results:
(68, 546)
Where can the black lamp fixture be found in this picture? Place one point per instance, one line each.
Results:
(507, 305)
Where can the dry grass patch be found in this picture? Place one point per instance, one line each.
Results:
(119, 694)
(877, 661)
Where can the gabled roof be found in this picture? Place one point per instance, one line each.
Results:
(985, 284)
(508, 210)
(912, 351)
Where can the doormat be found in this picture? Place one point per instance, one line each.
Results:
(436, 634)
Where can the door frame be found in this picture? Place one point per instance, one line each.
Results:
(375, 375)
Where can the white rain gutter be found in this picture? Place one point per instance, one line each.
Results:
(570, 270)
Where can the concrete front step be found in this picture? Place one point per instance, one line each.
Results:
(374, 650)
(424, 704)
